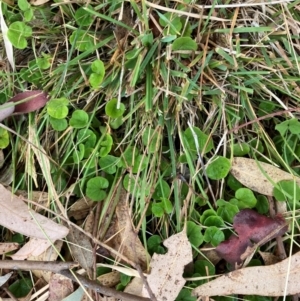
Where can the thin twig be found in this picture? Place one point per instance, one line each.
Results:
(101, 289)
(28, 265)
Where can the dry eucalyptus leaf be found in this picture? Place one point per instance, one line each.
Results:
(59, 287)
(260, 280)
(249, 173)
(81, 249)
(3, 279)
(39, 197)
(50, 254)
(269, 258)
(123, 238)
(110, 279)
(80, 208)
(8, 247)
(16, 216)
(135, 287)
(165, 279)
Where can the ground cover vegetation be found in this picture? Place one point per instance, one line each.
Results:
(152, 105)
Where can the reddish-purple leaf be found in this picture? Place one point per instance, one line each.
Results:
(232, 249)
(256, 226)
(29, 101)
(250, 226)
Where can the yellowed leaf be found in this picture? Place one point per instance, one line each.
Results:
(274, 280)
(165, 279)
(249, 173)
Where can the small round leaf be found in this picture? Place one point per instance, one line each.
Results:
(83, 17)
(94, 188)
(218, 168)
(79, 119)
(111, 109)
(214, 236)
(58, 124)
(57, 108)
(194, 234)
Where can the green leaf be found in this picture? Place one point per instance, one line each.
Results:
(204, 267)
(21, 288)
(79, 119)
(218, 168)
(184, 43)
(168, 207)
(195, 137)
(185, 295)
(17, 34)
(226, 210)
(154, 244)
(105, 145)
(214, 221)
(150, 139)
(97, 76)
(4, 138)
(28, 15)
(292, 125)
(262, 204)
(58, 124)
(168, 38)
(125, 279)
(94, 188)
(287, 191)
(44, 62)
(207, 213)
(111, 109)
(109, 164)
(116, 123)
(23, 5)
(162, 190)
(82, 40)
(78, 154)
(87, 137)
(213, 235)
(233, 183)
(83, 18)
(57, 108)
(240, 149)
(157, 209)
(172, 23)
(98, 67)
(245, 198)
(95, 80)
(194, 234)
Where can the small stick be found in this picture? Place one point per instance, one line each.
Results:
(27, 265)
(107, 291)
